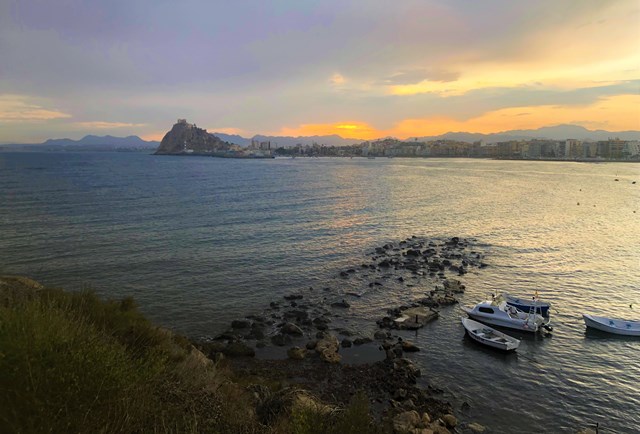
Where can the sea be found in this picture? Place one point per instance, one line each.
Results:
(199, 242)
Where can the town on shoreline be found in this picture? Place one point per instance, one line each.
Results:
(187, 139)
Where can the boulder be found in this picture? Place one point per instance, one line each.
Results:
(406, 422)
(476, 427)
(291, 329)
(409, 347)
(280, 339)
(330, 356)
(342, 304)
(296, 353)
(240, 324)
(450, 420)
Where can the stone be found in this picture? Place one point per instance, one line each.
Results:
(450, 420)
(361, 341)
(311, 345)
(328, 342)
(426, 419)
(291, 329)
(346, 343)
(280, 340)
(330, 356)
(380, 335)
(409, 347)
(296, 353)
(476, 427)
(240, 324)
(406, 422)
(400, 394)
(342, 304)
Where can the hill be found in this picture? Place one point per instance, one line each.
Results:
(557, 132)
(87, 143)
(184, 138)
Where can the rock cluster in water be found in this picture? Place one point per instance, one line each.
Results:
(306, 322)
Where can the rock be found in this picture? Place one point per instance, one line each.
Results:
(380, 335)
(311, 345)
(186, 138)
(426, 419)
(439, 429)
(328, 349)
(255, 333)
(240, 324)
(400, 394)
(293, 297)
(328, 342)
(299, 315)
(346, 343)
(409, 347)
(406, 422)
(238, 349)
(291, 329)
(361, 341)
(280, 340)
(342, 304)
(450, 420)
(476, 427)
(330, 356)
(296, 353)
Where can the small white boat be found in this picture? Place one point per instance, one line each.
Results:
(497, 312)
(613, 325)
(491, 337)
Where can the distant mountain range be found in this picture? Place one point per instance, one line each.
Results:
(558, 132)
(90, 142)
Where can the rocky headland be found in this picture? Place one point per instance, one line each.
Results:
(185, 138)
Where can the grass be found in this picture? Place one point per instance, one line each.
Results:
(73, 363)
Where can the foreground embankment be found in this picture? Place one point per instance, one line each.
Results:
(70, 362)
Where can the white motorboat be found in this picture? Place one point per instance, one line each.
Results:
(498, 312)
(491, 337)
(613, 325)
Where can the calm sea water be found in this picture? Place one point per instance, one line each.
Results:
(202, 241)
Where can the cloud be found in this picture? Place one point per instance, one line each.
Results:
(420, 75)
(102, 125)
(260, 66)
(18, 108)
(337, 79)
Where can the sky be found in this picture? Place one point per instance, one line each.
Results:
(358, 68)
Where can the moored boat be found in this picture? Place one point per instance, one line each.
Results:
(534, 305)
(488, 336)
(497, 312)
(612, 325)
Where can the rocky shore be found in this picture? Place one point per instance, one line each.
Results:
(309, 325)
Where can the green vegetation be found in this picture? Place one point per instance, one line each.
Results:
(70, 362)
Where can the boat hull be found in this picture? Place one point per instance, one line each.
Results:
(489, 337)
(613, 326)
(520, 325)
